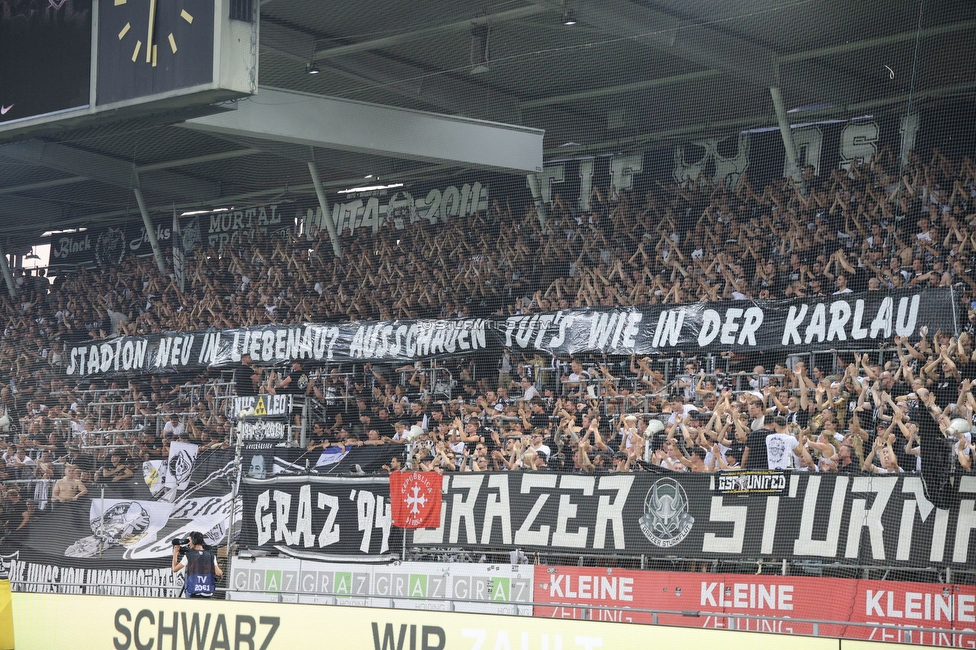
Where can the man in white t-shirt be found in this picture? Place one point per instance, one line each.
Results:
(174, 428)
(10, 454)
(539, 445)
(679, 407)
(780, 445)
(575, 381)
(529, 391)
(841, 284)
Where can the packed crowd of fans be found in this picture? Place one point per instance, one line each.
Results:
(874, 227)
(864, 418)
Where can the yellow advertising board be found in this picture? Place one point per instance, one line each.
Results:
(52, 622)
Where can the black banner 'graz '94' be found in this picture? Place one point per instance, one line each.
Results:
(324, 518)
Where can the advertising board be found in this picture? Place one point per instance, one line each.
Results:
(60, 622)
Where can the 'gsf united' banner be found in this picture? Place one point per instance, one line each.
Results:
(839, 321)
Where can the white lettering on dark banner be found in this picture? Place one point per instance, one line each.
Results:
(157, 582)
(780, 514)
(742, 482)
(66, 245)
(843, 323)
(853, 321)
(278, 522)
(262, 430)
(261, 405)
(372, 210)
(493, 523)
(242, 226)
(693, 160)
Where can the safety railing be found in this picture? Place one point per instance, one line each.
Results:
(109, 439)
(436, 382)
(696, 565)
(218, 391)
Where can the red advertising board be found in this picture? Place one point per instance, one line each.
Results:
(711, 600)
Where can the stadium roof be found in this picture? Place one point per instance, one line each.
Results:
(629, 75)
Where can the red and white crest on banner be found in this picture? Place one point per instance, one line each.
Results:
(416, 499)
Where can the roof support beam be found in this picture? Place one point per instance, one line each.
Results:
(108, 170)
(373, 70)
(150, 232)
(445, 94)
(416, 35)
(784, 130)
(331, 123)
(900, 37)
(796, 57)
(41, 212)
(324, 206)
(42, 185)
(197, 160)
(622, 88)
(696, 43)
(8, 277)
(704, 46)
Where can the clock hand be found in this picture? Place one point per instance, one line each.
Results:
(152, 24)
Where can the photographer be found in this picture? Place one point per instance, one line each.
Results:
(202, 570)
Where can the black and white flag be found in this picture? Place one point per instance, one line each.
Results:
(179, 259)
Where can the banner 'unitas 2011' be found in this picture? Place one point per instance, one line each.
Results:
(849, 320)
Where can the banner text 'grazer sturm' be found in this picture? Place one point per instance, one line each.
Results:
(860, 520)
(849, 320)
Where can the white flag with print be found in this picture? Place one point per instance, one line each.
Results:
(182, 455)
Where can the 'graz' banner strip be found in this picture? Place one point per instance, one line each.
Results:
(320, 517)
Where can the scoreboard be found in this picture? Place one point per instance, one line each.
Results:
(75, 62)
(45, 58)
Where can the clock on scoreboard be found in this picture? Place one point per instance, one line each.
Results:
(151, 47)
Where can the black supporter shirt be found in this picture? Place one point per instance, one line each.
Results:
(298, 383)
(946, 391)
(242, 379)
(757, 449)
(736, 449)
